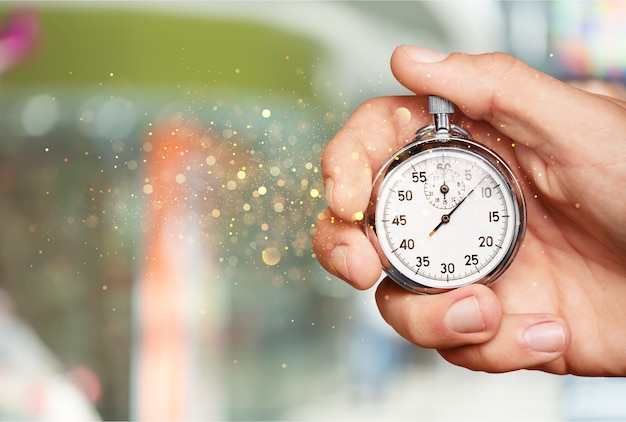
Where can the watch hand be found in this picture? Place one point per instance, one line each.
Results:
(445, 219)
(444, 189)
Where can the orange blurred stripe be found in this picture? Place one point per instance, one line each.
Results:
(162, 367)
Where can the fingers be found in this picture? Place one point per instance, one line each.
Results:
(468, 328)
(468, 315)
(524, 104)
(375, 130)
(524, 341)
(344, 250)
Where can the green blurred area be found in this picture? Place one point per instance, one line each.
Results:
(91, 45)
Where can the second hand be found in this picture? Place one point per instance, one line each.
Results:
(445, 219)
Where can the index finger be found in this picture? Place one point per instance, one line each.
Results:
(375, 130)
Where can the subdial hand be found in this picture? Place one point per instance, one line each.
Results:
(444, 189)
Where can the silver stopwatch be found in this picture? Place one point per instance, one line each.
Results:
(445, 211)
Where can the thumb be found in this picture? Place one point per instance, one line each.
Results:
(522, 103)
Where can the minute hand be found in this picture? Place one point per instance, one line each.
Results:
(445, 219)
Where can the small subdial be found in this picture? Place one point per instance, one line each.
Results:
(444, 189)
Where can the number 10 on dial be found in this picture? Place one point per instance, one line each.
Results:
(445, 212)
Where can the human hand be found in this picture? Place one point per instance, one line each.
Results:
(561, 306)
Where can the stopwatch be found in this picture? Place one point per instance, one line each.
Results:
(445, 211)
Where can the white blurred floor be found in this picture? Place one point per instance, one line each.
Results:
(443, 392)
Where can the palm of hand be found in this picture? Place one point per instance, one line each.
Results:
(571, 264)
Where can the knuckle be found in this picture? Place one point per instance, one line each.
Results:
(499, 65)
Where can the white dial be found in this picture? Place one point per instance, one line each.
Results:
(447, 213)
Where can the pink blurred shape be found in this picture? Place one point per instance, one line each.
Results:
(18, 35)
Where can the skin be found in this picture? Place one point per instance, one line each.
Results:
(560, 307)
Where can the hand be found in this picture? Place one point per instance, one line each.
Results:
(561, 306)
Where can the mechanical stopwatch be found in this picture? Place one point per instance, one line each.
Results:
(445, 211)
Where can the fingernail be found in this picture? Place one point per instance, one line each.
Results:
(338, 260)
(464, 316)
(547, 337)
(329, 186)
(424, 55)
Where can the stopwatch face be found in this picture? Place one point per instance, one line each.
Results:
(444, 215)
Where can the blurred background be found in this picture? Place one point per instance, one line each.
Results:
(159, 186)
